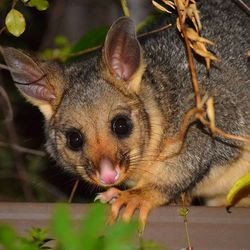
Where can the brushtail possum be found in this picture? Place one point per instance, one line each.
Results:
(109, 118)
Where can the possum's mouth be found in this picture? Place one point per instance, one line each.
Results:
(108, 173)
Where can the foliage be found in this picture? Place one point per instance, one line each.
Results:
(9, 239)
(15, 20)
(92, 234)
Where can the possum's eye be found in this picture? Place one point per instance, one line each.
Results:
(74, 139)
(121, 126)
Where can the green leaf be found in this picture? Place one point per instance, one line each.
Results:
(120, 236)
(150, 244)
(15, 22)
(146, 22)
(62, 41)
(91, 39)
(39, 236)
(7, 236)
(62, 228)
(92, 227)
(39, 4)
(242, 183)
(183, 212)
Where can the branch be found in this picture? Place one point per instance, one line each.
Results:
(14, 140)
(125, 8)
(190, 57)
(23, 149)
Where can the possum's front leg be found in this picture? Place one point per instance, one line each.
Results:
(144, 199)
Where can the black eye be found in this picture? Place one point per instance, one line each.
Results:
(121, 126)
(74, 139)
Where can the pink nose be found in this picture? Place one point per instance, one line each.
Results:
(108, 173)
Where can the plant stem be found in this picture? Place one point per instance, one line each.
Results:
(125, 8)
(190, 58)
(187, 233)
(73, 191)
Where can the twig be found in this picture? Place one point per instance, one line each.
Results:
(89, 50)
(73, 191)
(14, 2)
(125, 8)
(2, 29)
(85, 51)
(155, 30)
(37, 183)
(23, 149)
(221, 132)
(190, 58)
(243, 5)
(14, 140)
(184, 213)
(9, 114)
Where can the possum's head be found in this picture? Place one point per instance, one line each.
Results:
(98, 123)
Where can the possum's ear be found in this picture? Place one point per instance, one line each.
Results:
(122, 53)
(38, 82)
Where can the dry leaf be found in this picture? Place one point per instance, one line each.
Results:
(194, 36)
(178, 24)
(160, 7)
(169, 3)
(248, 53)
(201, 50)
(194, 15)
(181, 4)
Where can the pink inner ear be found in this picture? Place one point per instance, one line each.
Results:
(37, 91)
(28, 75)
(122, 49)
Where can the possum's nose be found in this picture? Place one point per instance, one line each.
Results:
(108, 173)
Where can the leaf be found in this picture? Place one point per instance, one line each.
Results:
(62, 228)
(194, 36)
(92, 226)
(183, 212)
(169, 3)
(149, 244)
(39, 4)
(239, 185)
(62, 41)
(201, 50)
(7, 236)
(91, 39)
(194, 16)
(15, 22)
(123, 233)
(181, 4)
(160, 7)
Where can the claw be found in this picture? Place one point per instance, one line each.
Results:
(110, 196)
(100, 198)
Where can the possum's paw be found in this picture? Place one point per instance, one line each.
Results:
(109, 196)
(131, 200)
(142, 199)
